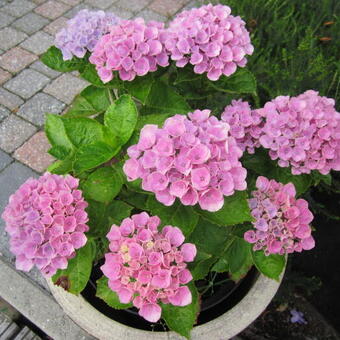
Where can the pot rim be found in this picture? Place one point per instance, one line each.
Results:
(224, 327)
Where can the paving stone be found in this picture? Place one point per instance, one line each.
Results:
(74, 2)
(27, 83)
(65, 87)
(10, 180)
(52, 9)
(18, 8)
(192, 4)
(34, 154)
(4, 75)
(148, 14)
(13, 132)
(102, 4)
(3, 113)
(120, 12)
(9, 99)
(167, 7)
(10, 37)
(30, 23)
(42, 68)
(38, 43)
(132, 5)
(55, 26)
(16, 59)
(35, 109)
(5, 19)
(4, 160)
(71, 13)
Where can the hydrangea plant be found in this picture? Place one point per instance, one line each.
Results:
(169, 165)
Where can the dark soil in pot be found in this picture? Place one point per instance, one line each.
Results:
(323, 261)
(216, 300)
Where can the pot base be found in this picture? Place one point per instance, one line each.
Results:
(223, 327)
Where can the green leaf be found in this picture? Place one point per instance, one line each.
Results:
(90, 74)
(105, 293)
(317, 178)
(80, 107)
(57, 136)
(235, 210)
(102, 185)
(237, 253)
(102, 216)
(91, 155)
(183, 217)
(140, 87)
(75, 277)
(242, 81)
(186, 74)
(136, 199)
(157, 119)
(261, 163)
(53, 58)
(116, 211)
(97, 97)
(136, 186)
(209, 237)
(284, 175)
(271, 266)
(182, 319)
(92, 100)
(244, 269)
(98, 221)
(238, 257)
(221, 266)
(164, 99)
(121, 118)
(82, 131)
(201, 266)
(61, 167)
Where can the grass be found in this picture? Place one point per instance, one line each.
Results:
(296, 45)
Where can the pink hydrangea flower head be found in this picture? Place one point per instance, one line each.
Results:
(83, 32)
(281, 223)
(149, 270)
(245, 124)
(209, 38)
(192, 158)
(302, 132)
(46, 221)
(132, 48)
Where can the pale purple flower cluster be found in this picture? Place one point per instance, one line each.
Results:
(147, 266)
(192, 157)
(132, 48)
(303, 132)
(46, 221)
(209, 38)
(245, 124)
(83, 32)
(281, 221)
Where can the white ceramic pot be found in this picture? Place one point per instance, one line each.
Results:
(224, 327)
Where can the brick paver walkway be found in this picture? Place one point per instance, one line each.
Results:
(28, 89)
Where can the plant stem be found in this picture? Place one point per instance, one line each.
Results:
(110, 96)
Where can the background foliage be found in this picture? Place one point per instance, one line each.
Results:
(296, 45)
